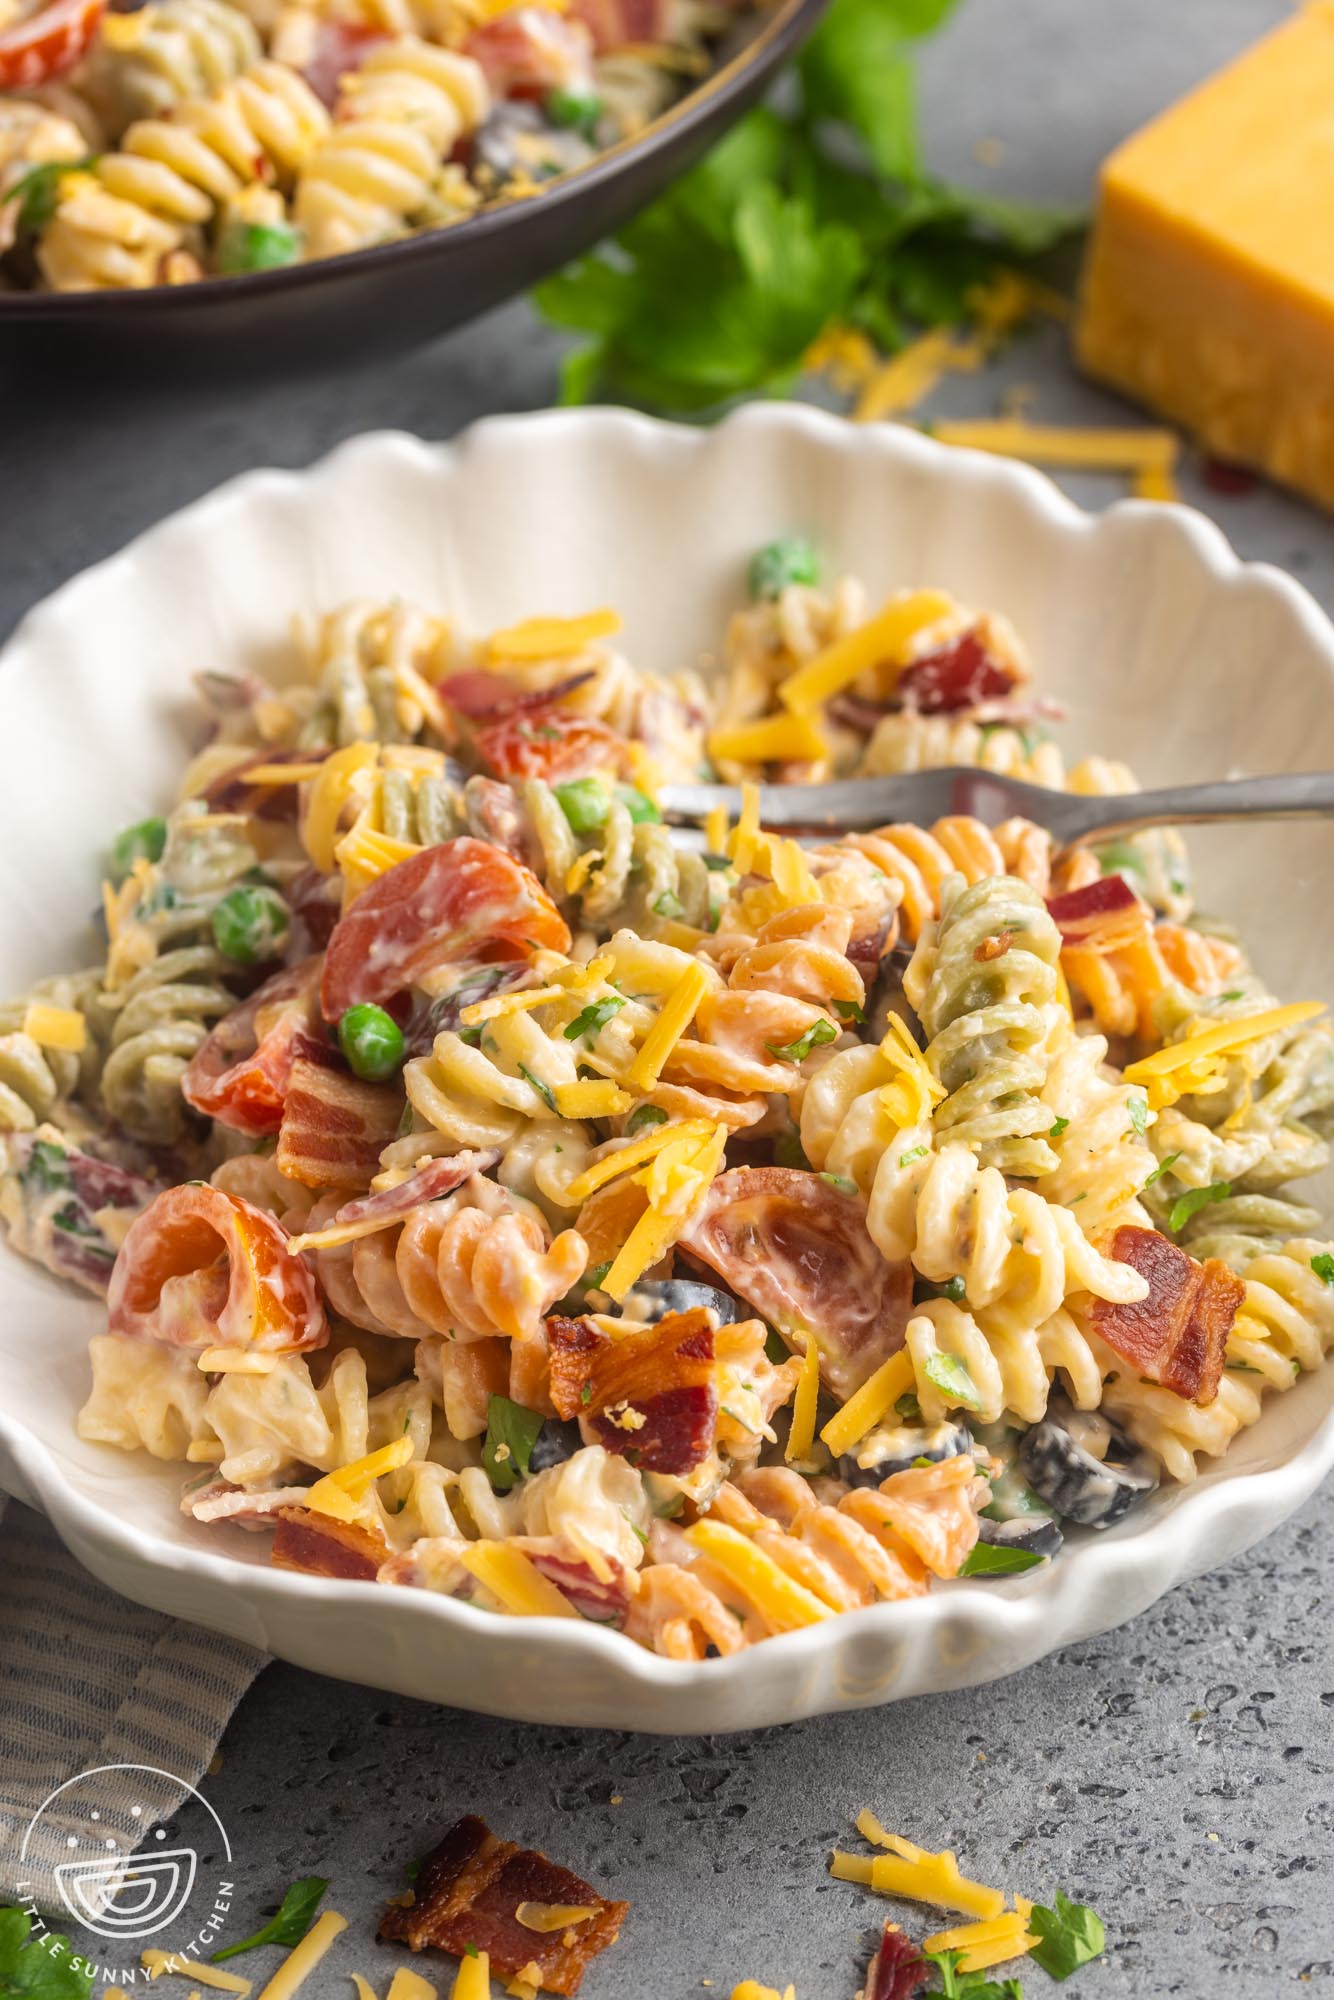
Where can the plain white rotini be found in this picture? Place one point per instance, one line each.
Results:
(380, 169)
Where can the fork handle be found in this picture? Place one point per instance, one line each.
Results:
(1290, 795)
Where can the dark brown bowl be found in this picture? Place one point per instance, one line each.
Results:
(399, 294)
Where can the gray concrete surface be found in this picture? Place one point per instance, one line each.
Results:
(1176, 1774)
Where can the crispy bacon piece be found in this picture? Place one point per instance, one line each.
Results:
(1177, 1335)
(316, 903)
(334, 1127)
(467, 1892)
(550, 744)
(798, 1250)
(1102, 916)
(319, 1545)
(200, 1268)
(437, 1178)
(959, 675)
(528, 51)
(461, 900)
(332, 49)
(482, 696)
(240, 1073)
(898, 1971)
(606, 1603)
(614, 24)
(651, 1397)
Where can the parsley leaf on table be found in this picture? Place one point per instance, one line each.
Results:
(1068, 1936)
(294, 1917)
(37, 1968)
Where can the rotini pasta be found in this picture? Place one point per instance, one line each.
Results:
(491, 1199)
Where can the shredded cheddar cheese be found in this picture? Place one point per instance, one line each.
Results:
(302, 1960)
(472, 1981)
(751, 1989)
(283, 774)
(920, 1877)
(786, 1604)
(56, 1027)
(339, 1493)
(866, 1406)
(633, 1155)
(880, 641)
(1190, 1065)
(677, 1179)
(715, 830)
(409, 1985)
(159, 1963)
(365, 1991)
(549, 638)
(546, 1917)
(344, 775)
(1085, 450)
(675, 1016)
(910, 1098)
(774, 739)
(801, 1436)
(519, 1585)
(984, 1944)
(592, 1097)
(900, 384)
(364, 854)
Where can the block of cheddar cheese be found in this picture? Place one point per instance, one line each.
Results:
(1209, 287)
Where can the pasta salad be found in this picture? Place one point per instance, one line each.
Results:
(495, 1194)
(205, 138)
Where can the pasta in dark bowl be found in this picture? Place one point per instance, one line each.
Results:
(247, 183)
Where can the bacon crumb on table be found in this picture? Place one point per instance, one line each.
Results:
(468, 1891)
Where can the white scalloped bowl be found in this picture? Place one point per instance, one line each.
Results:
(1168, 651)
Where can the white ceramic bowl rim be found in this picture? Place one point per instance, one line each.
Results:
(1102, 1571)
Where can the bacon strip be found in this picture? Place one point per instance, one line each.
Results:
(898, 1971)
(651, 1397)
(334, 1126)
(605, 1603)
(318, 1545)
(1177, 1336)
(1102, 916)
(430, 1183)
(467, 1892)
(798, 1251)
(476, 694)
(959, 675)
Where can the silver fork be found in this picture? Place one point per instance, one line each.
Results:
(852, 805)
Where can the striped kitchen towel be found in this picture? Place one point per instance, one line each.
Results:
(91, 1684)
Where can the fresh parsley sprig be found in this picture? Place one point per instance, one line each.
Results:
(816, 210)
(37, 1968)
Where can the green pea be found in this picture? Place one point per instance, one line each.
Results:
(250, 924)
(145, 841)
(639, 806)
(372, 1041)
(790, 560)
(584, 804)
(578, 110)
(257, 246)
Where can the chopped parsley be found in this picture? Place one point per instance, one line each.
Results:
(593, 1278)
(1323, 1266)
(957, 1985)
(592, 1019)
(954, 1289)
(1193, 1200)
(668, 905)
(543, 1090)
(815, 1037)
(44, 1967)
(949, 1375)
(1137, 1105)
(1057, 1126)
(511, 1432)
(907, 1409)
(642, 1117)
(1162, 1167)
(849, 1010)
(1233, 993)
(839, 1182)
(913, 1153)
